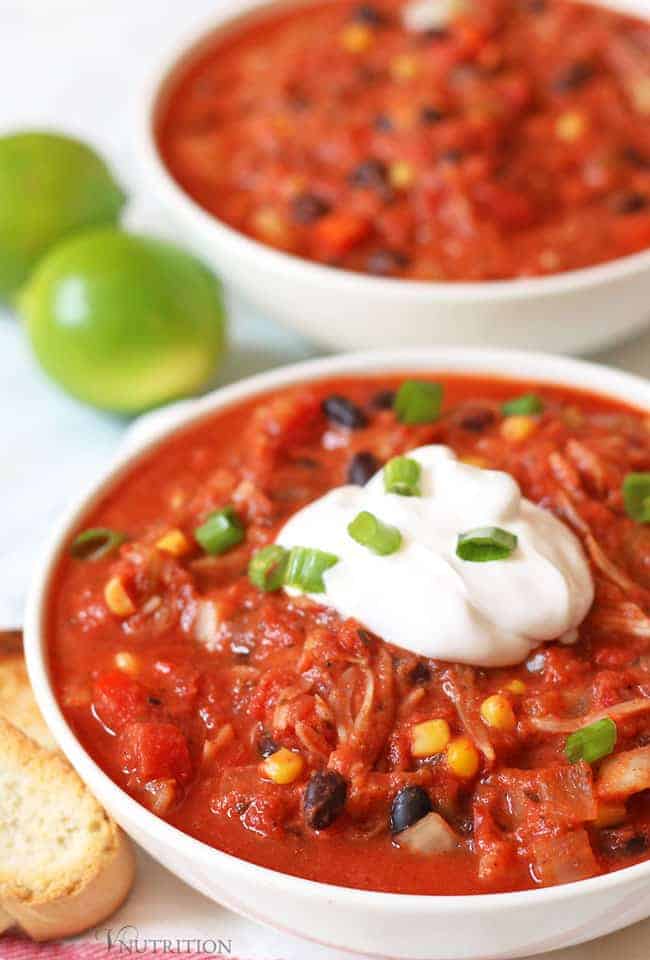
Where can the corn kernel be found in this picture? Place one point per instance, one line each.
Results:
(497, 712)
(610, 814)
(473, 461)
(270, 226)
(570, 126)
(283, 766)
(127, 663)
(401, 175)
(117, 599)
(517, 428)
(429, 738)
(404, 67)
(518, 687)
(174, 542)
(463, 758)
(356, 38)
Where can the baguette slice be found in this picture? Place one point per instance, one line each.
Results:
(17, 702)
(64, 864)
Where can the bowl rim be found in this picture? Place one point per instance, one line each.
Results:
(290, 265)
(506, 364)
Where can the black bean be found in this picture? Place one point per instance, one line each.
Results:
(409, 806)
(624, 841)
(367, 13)
(636, 845)
(636, 158)
(154, 701)
(383, 400)
(383, 122)
(420, 674)
(453, 156)
(436, 34)
(306, 208)
(574, 77)
(383, 263)
(477, 420)
(429, 116)
(297, 98)
(371, 174)
(342, 411)
(628, 203)
(324, 798)
(299, 104)
(266, 745)
(361, 468)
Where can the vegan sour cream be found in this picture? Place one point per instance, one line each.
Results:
(424, 597)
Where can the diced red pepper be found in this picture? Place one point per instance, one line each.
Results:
(119, 699)
(338, 233)
(155, 751)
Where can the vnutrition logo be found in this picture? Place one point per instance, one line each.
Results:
(127, 940)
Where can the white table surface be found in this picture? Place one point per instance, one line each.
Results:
(77, 66)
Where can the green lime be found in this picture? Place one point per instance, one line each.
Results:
(124, 322)
(50, 187)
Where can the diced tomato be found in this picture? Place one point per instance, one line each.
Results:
(118, 700)
(510, 208)
(178, 685)
(155, 751)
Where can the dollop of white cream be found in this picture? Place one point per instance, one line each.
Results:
(426, 599)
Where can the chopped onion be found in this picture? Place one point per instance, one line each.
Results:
(431, 834)
(207, 624)
(619, 711)
(624, 774)
(423, 15)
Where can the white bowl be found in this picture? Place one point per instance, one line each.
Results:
(381, 924)
(574, 312)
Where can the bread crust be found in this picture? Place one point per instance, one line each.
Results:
(93, 901)
(17, 702)
(50, 885)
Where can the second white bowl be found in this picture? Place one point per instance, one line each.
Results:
(574, 312)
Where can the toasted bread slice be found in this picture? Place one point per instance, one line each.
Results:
(17, 702)
(64, 864)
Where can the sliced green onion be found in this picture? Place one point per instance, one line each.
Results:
(221, 531)
(402, 476)
(306, 567)
(418, 401)
(523, 406)
(268, 567)
(593, 742)
(369, 531)
(96, 543)
(485, 544)
(636, 496)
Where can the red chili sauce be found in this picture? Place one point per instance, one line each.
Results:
(182, 697)
(513, 142)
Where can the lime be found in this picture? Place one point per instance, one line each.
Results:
(124, 322)
(50, 186)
